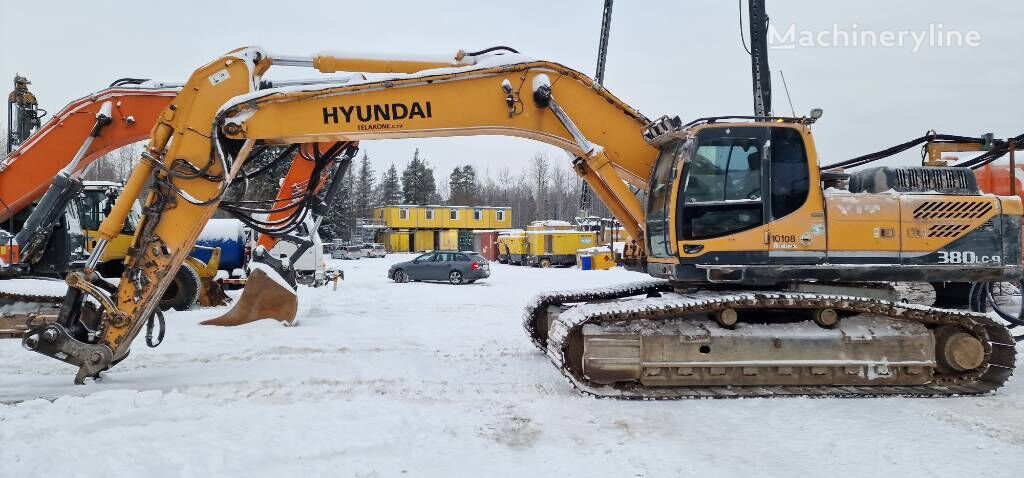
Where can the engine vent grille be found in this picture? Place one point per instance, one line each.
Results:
(956, 181)
(952, 210)
(947, 230)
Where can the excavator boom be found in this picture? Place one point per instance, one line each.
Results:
(26, 173)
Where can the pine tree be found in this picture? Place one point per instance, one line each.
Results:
(389, 191)
(464, 189)
(365, 199)
(418, 186)
(340, 221)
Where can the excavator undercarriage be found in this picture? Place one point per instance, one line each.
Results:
(651, 340)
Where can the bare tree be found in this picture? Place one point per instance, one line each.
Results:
(115, 165)
(539, 173)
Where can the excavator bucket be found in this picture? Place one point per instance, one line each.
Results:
(211, 294)
(263, 298)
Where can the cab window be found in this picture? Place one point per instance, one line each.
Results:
(724, 182)
(659, 197)
(790, 178)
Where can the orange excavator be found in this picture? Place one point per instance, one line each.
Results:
(47, 167)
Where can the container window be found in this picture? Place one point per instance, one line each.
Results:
(501, 215)
(403, 214)
(477, 214)
(430, 214)
(453, 214)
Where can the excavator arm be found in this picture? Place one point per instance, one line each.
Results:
(190, 166)
(46, 161)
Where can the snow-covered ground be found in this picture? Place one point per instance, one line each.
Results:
(383, 379)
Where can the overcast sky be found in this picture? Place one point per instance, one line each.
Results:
(665, 57)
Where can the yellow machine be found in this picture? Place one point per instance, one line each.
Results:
(554, 247)
(193, 283)
(771, 286)
(512, 248)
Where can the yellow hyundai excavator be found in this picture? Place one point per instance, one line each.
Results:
(769, 283)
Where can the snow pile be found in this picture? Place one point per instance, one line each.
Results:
(271, 273)
(39, 287)
(429, 379)
(550, 223)
(221, 230)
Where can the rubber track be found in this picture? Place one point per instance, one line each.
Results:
(999, 345)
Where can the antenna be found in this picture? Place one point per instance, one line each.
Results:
(602, 57)
(786, 87)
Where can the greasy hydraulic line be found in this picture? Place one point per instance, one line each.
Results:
(980, 297)
(299, 208)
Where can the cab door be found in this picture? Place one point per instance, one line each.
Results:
(721, 213)
(794, 210)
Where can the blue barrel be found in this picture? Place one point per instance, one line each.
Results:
(586, 263)
(229, 236)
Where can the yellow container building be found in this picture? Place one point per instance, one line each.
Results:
(424, 240)
(398, 241)
(448, 240)
(477, 218)
(435, 227)
(455, 218)
(429, 217)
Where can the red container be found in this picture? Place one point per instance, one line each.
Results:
(486, 243)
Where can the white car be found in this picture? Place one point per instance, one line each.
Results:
(374, 249)
(348, 252)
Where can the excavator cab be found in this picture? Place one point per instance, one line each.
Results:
(733, 194)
